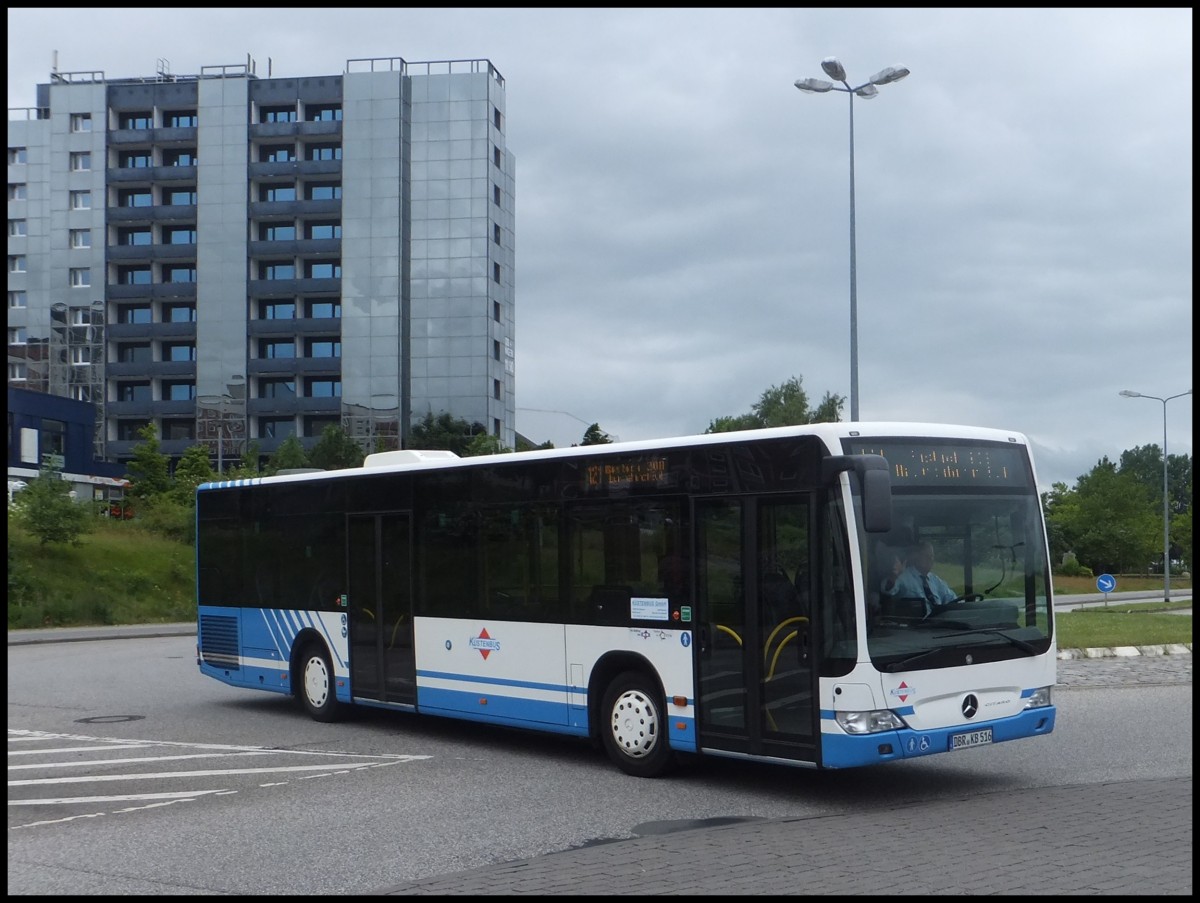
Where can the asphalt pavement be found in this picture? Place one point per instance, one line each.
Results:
(1008, 846)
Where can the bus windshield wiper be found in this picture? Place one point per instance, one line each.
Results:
(912, 659)
(1027, 648)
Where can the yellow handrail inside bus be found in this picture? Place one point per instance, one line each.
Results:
(798, 619)
(729, 631)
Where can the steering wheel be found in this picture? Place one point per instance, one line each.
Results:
(966, 597)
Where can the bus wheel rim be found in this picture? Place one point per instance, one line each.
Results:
(635, 724)
(316, 682)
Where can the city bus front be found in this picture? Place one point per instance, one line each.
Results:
(953, 644)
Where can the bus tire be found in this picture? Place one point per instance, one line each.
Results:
(316, 690)
(634, 727)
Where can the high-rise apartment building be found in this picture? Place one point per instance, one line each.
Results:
(234, 258)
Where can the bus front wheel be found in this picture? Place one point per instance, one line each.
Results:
(634, 729)
(317, 684)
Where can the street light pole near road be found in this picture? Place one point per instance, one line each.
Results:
(1129, 393)
(866, 91)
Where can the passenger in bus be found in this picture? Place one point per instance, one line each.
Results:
(916, 580)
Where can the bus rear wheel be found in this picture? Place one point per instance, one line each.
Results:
(634, 726)
(316, 688)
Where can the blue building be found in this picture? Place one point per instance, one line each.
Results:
(51, 431)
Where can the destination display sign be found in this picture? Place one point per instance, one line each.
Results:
(931, 463)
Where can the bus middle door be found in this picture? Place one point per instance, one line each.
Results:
(378, 564)
(756, 674)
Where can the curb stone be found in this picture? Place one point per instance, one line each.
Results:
(1126, 651)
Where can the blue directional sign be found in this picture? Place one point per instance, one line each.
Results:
(1106, 583)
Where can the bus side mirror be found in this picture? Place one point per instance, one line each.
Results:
(877, 501)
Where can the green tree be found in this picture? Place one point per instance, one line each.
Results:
(484, 444)
(192, 470)
(784, 405)
(149, 470)
(335, 450)
(524, 444)
(289, 456)
(45, 508)
(1106, 521)
(249, 465)
(443, 431)
(593, 435)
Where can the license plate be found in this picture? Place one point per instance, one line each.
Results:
(973, 738)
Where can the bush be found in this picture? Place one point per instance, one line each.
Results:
(1072, 568)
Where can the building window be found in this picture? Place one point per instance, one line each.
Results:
(276, 153)
(81, 277)
(276, 269)
(495, 156)
(322, 191)
(495, 350)
(496, 117)
(179, 351)
(135, 197)
(134, 353)
(496, 233)
(323, 113)
(276, 232)
(277, 310)
(272, 193)
(495, 388)
(139, 275)
(181, 196)
(323, 348)
(324, 152)
(276, 427)
(129, 430)
(138, 120)
(18, 191)
(17, 372)
(278, 114)
(176, 274)
(134, 313)
(315, 426)
(323, 230)
(16, 335)
(179, 390)
(323, 310)
(81, 122)
(81, 161)
(135, 160)
(18, 228)
(496, 195)
(323, 270)
(178, 428)
(319, 387)
(496, 311)
(139, 391)
(180, 119)
(17, 155)
(81, 239)
(134, 236)
(16, 300)
(186, 157)
(81, 355)
(496, 273)
(179, 313)
(81, 393)
(276, 348)
(180, 235)
(283, 387)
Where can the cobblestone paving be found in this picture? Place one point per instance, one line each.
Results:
(1116, 671)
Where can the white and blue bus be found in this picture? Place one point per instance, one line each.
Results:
(713, 595)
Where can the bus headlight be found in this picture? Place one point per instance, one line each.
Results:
(868, 722)
(1038, 698)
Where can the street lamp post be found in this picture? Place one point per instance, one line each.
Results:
(1129, 393)
(866, 91)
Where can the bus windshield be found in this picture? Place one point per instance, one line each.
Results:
(960, 578)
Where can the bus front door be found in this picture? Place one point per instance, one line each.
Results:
(756, 674)
(382, 662)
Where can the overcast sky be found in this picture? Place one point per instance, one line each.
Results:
(1023, 202)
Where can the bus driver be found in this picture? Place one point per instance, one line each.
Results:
(917, 580)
